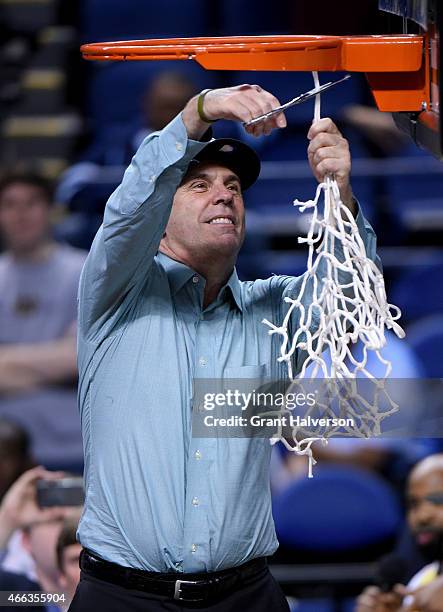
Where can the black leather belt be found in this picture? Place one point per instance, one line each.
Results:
(189, 587)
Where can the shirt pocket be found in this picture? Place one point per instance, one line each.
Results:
(249, 385)
(247, 378)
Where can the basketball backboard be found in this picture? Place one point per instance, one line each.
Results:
(424, 127)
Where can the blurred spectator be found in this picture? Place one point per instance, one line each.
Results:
(38, 290)
(15, 455)
(377, 128)
(40, 528)
(425, 522)
(164, 98)
(15, 458)
(85, 186)
(68, 554)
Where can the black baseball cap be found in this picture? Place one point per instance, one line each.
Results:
(235, 155)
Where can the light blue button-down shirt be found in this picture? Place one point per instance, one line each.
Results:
(157, 498)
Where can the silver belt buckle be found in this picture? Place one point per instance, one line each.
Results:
(177, 590)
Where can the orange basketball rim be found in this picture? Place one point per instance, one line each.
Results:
(397, 66)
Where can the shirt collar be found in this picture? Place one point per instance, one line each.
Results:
(178, 274)
(234, 285)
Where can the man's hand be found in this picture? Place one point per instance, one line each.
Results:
(19, 507)
(428, 598)
(328, 153)
(239, 103)
(374, 600)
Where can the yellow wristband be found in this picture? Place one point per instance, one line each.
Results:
(200, 110)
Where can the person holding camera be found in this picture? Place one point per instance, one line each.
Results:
(40, 529)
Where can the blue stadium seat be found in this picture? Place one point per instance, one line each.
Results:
(340, 509)
(108, 20)
(265, 263)
(426, 339)
(419, 292)
(275, 195)
(313, 605)
(292, 144)
(251, 17)
(415, 196)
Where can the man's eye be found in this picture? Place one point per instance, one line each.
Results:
(234, 188)
(198, 185)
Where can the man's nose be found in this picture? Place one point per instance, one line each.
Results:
(222, 195)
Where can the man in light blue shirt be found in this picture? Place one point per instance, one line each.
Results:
(160, 304)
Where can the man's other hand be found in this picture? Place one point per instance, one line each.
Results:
(374, 600)
(243, 103)
(328, 153)
(239, 103)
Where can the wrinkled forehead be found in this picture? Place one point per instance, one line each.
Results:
(210, 170)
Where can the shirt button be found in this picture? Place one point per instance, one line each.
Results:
(202, 361)
(195, 279)
(152, 178)
(194, 548)
(195, 501)
(197, 454)
(178, 146)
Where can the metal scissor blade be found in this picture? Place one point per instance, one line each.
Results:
(298, 100)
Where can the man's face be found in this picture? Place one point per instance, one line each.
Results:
(425, 512)
(24, 216)
(70, 575)
(208, 216)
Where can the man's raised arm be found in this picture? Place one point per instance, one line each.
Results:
(137, 213)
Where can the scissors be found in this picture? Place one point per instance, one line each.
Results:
(298, 100)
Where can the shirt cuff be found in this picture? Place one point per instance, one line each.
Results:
(367, 234)
(177, 147)
(359, 217)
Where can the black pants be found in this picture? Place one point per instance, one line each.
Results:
(258, 594)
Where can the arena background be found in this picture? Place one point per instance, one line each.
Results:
(75, 123)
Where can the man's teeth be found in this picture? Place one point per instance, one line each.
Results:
(222, 220)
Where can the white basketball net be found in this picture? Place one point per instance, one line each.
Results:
(350, 304)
